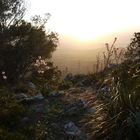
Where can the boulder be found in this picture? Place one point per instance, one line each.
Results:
(56, 93)
(36, 98)
(21, 96)
(32, 85)
(39, 96)
(104, 89)
(71, 129)
(73, 132)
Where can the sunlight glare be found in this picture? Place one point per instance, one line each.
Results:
(88, 19)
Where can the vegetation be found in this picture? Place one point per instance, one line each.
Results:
(119, 104)
(22, 42)
(24, 48)
(30, 83)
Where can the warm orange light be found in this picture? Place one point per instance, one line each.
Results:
(88, 19)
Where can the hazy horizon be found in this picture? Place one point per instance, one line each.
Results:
(70, 53)
(85, 26)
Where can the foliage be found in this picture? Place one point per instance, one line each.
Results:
(65, 84)
(11, 12)
(24, 47)
(80, 79)
(12, 126)
(112, 56)
(6, 135)
(45, 75)
(133, 50)
(120, 104)
(22, 42)
(10, 115)
(122, 100)
(41, 132)
(109, 53)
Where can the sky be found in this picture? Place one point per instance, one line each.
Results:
(84, 26)
(88, 20)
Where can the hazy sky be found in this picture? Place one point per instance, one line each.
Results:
(88, 19)
(87, 24)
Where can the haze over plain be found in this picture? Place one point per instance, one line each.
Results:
(85, 25)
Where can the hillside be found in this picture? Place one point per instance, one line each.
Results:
(76, 86)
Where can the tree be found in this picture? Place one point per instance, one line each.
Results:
(133, 50)
(22, 42)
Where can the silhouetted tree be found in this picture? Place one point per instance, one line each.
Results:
(22, 42)
(133, 50)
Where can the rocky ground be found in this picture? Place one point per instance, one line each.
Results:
(66, 111)
(74, 104)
